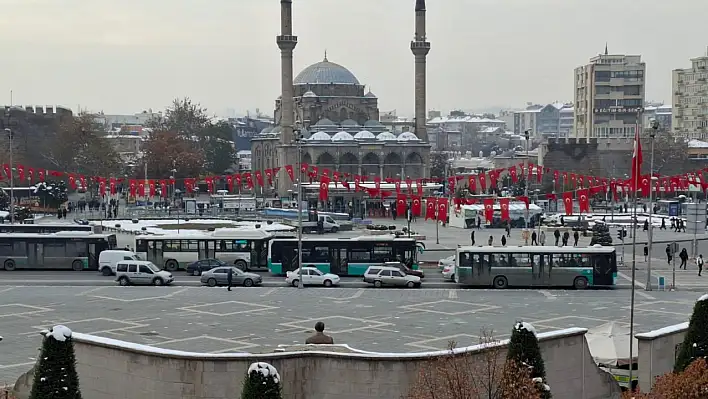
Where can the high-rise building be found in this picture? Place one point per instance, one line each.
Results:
(609, 96)
(690, 100)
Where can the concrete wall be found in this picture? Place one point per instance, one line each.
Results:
(657, 351)
(117, 369)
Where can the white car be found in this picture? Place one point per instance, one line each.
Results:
(449, 261)
(449, 272)
(311, 276)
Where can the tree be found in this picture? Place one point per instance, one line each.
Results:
(481, 375)
(55, 375)
(438, 164)
(51, 193)
(695, 345)
(670, 153)
(164, 151)
(601, 235)
(217, 143)
(524, 350)
(692, 383)
(78, 147)
(262, 382)
(183, 117)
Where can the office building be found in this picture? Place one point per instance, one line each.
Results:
(690, 100)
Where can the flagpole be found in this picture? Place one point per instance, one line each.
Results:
(637, 172)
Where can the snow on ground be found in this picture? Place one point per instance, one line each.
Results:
(153, 226)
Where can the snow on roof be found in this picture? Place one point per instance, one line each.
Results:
(462, 119)
(697, 144)
(668, 330)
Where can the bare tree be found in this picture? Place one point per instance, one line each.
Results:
(670, 153)
(482, 375)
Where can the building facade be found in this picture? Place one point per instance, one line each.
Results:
(609, 96)
(690, 99)
(661, 113)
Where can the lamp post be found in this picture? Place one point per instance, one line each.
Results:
(526, 179)
(298, 144)
(650, 233)
(10, 135)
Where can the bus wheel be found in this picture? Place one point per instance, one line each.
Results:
(241, 265)
(501, 282)
(9, 265)
(77, 265)
(171, 265)
(580, 283)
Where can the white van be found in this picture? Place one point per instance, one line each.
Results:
(107, 260)
(140, 272)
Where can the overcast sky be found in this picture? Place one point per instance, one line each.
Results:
(123, 56)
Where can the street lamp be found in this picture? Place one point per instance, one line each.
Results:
(10, 135)
(526, 186)
(298, 142)
(652, 134)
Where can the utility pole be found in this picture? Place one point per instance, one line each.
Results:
(650, 232)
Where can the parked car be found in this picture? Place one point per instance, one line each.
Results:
(381, 276)
(450, 260)
(405, 269)
(219, 276)
(311, 276)
(141, 272)
(448, 272)
(200, 266)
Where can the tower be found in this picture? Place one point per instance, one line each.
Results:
(286, 42)
(420, 48)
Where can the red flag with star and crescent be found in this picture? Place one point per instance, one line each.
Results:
(489, 209)
(291, 173)
(442, 208)
(568, 202)
(324, 188)
(416, 206)
(583, 200)
(636, 160)
(401, 204)
(504, 207)
(430, 205)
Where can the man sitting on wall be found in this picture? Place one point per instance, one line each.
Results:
(320, 337)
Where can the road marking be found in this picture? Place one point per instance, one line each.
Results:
(7, 289)
(9, 366)
(356, 295)
(452, 294)
(270, 291)
(547, 294)
(90, 291)
(636, 283)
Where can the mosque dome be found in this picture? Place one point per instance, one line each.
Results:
(372, 123)
(364, 135)
(309, 93)
(324, 73)
(408, 136)
(266, 130)
(386, 136)
(349, 123)
(320, 136)
(342, 136)
(324, 122)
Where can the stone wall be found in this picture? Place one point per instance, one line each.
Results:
(116, 369)
(657, 351)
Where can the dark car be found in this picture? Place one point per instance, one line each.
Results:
(407, 270)
(196, 268)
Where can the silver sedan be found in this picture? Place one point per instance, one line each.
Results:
(219, 276)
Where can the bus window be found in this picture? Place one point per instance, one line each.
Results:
(465, 259)
(382, 254)
(140, 246)
(6, 249)
(503, 261)
(360, 256)
(320, 255)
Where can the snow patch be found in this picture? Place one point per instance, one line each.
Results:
(265, 370)
(703, 297)
(676, 328)
(60, 333)
(522, 325)
(537, 379)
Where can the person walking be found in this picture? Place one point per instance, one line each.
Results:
(542, 238)
(646, 224)
(699, 263)
(646, 252)
(534, 238)
(663, 224)
(566, 237)
(479, 222)
(472, 237)
(490, 241)
(669, 256)
(683, 224)
(576, 237)
(508, 229)
(503, 240)
(230, 278)
(557, 235)
(684, 258)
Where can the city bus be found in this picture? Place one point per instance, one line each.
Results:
(45, 228)
(530, 266)
(70, 250)
(342, 256)
(246, 248)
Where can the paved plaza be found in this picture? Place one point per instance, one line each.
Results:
(260, 319)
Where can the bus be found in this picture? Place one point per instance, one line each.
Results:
(246, 248)
(46, 228)
(530, 266)
(342, 256)
(70, 250)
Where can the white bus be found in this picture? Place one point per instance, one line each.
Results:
(245, 248)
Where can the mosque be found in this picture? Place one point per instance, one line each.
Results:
(337, 120)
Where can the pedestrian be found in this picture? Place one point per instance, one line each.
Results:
(566, 237)
(503, 240)
(646, 224)
(479, 222)
(472, 237)
(683, 224)
(508, 229)
(230, 278)
(644, 208)
(684, 258)
(576, 237)
(542, 238)
(699, 263)
(663, 224)
(669, 256)
(534, 238)
(646, 252)
(557, 235)
(673, 224)
(562, 220)
(491, 241)
(320, 338)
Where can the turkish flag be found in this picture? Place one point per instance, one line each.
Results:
(539, 173)
(581, 180)
(442, 209)
(188, 185)
(259, 178)
(304, 167)
(249, 180)
(324, 188)
(30, 175)
(238, 181)
(471, 184)
(102, 186)
(504, 206)
(568, 202)
(357, 181)
(133, 187)
(419, 184)
(269, 176)
(290, 172)
(141, 189)
(524, 199)
(551, 197)
(409, 183)
(493, 177)
(377, 181)
(8, 170)
(163, 188)
(488, 209)
(416, 207)
(41, 175)
(230, 182)
(152, 188)
(583, 200)
(21, 172)
(512, 173)
(72, 181)
(556, 174)
(637, 160)
(430, 205)
(210, 184)
(483, 182)
(645, 185)
(112, 185)
(565, 178)
(401, 204)
(573, 180)
(82, 180)
(397, 184)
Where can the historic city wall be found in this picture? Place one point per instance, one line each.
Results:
(116, 369)
(657, 351)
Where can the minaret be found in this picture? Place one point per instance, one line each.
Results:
(420, 48)
(286, 42)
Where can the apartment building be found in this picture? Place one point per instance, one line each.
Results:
(690, 100)
(609, 96)
(545, 121)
